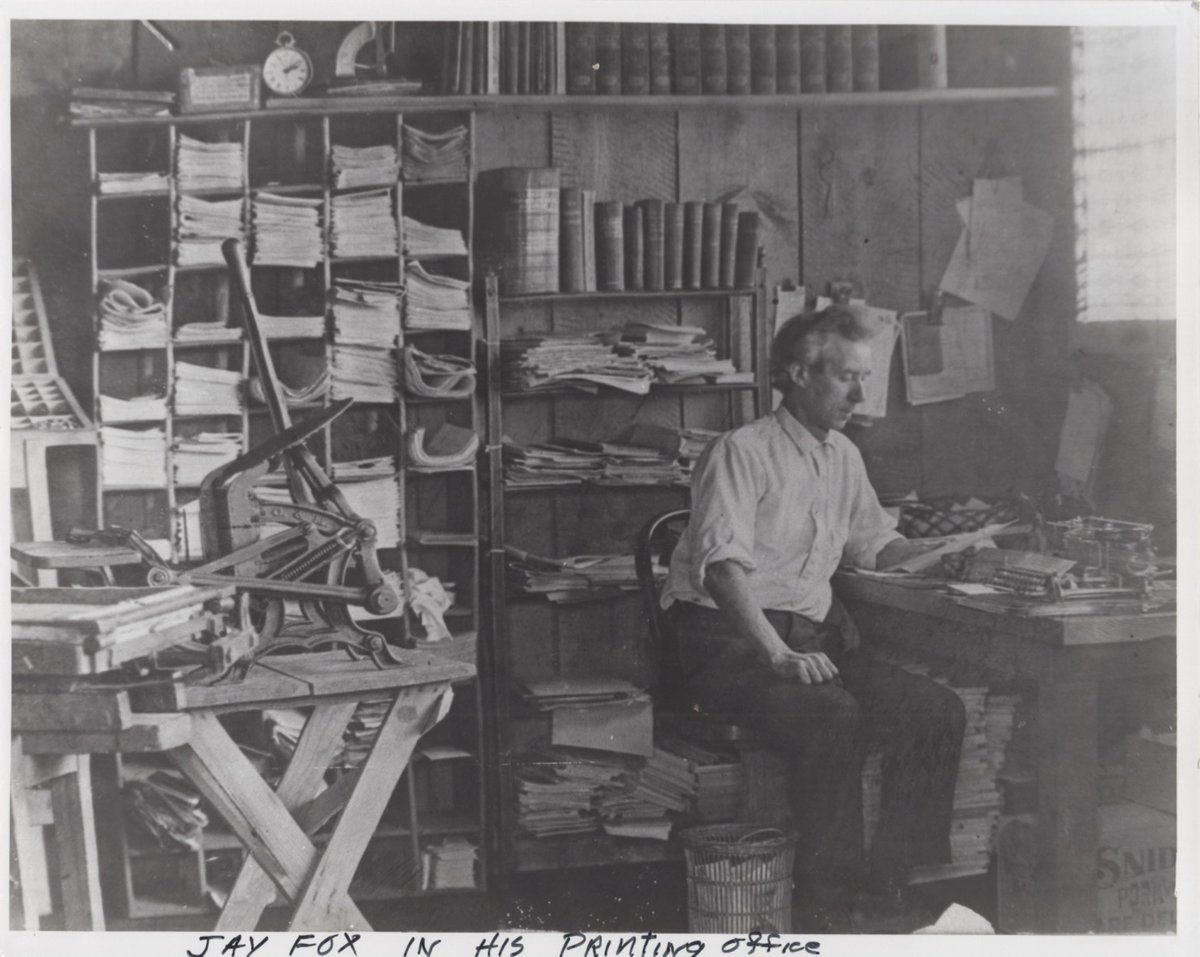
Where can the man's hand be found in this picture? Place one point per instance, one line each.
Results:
(812, 668)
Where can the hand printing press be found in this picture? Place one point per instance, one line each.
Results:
(323, 560)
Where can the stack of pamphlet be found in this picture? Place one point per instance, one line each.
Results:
(287, 230)
(203, 390)
(435, 156)
(130, 317)
(450, 863)
(436, 302)
(363, 225)
(201, 228)
(356, 166)
(585, 362)
(133, 458)
(195, 457)
(366, 313)
(209, 166)
(141, 408)
(421, 239)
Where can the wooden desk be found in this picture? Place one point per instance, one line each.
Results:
(1066, 659)
(275, 826)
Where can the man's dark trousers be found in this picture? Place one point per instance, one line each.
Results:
(825, 731)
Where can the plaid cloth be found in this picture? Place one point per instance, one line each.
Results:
(937, 517)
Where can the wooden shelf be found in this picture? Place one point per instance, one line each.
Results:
(627, 294)
(324, 106)
(656, 388)
(589, 850)
(597, 487)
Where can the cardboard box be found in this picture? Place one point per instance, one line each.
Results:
(1135, 870)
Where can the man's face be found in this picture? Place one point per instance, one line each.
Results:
(828, 397)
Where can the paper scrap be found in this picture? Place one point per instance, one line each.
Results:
(1079, 443)
(950, 358)
(999, 251)
(950, 545)
(957, 919)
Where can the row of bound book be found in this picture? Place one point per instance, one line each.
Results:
(510, 57)
(540, 238)
(703, 58)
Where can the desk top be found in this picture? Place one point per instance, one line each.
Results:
(1062, 630)
(299, 679)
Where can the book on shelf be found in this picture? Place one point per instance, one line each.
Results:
(673, 245)
(525, 73)
(518, 226)
(510, 61)
(635, 58)
(737, 58)
(693, 244)
(865, 56)
(660, 58)
(686, 70)
(448, 66)
(746, 258)
(729, 232)
(581, 54)
(610, 246)
(652, 244)
(559, 30)
(466, 59)
(608, 58)
(635, 261)
(839, 66)
(589, 240)
(812, 59)
(492, 39)
(710, 252)
(714, 61)
(571, 247)
(787, 59)
(763, 62)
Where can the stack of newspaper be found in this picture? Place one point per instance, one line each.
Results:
(421, 239)
(202, 227)
(119, 184)
(366, 313)
(130, 317)
(364, 374)
(141, 408)
(677, 354)
(583, 362)
(195, 457)
(287, 230)
(203, 390)
(435, 156)
(363, 225)
(356, 166)
(216, 166)
(133, 458)
(292, 327)
(450, 863)
(436, 302)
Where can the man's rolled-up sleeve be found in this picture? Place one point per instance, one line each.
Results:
(725, 494)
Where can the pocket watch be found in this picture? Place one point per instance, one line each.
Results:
(287, 69)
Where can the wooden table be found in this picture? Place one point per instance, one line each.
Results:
(275, 826)
(1066, 658)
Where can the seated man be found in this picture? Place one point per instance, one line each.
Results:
(776, 505)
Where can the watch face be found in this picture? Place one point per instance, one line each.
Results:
(287, 71)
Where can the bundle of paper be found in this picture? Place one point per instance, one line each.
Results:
(557, 790)
(287, 230)
(118, 184)
(141, 408)
(686, 445)
(421, 239)
(450, 863)
(545, 464)
(430, 156)
(377, 500)
(361, 732)
(294, 395)
(532, 363)
(718, 775)
(95, 101)
(356, 166)
(203, 390)
(436, 302)
(201, 228)
(133, 458)
(163, 805)
(364, 374)
(578, 578)
(449, 447)
(207, 332)
(363, 225)
(291, 327)
(440, 376)
(195, 457)
(200, 165)
(130, 317)
(366, 313)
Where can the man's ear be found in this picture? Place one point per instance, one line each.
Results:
(797, 373)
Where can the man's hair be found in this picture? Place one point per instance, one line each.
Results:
(802, 339)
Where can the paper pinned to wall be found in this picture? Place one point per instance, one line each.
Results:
(1000, 249)
(950, 358)
(1088, 411)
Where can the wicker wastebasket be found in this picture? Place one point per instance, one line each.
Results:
(739, 878)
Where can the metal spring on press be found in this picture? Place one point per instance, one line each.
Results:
(306, 563)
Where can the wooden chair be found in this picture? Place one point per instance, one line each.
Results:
(763, 770)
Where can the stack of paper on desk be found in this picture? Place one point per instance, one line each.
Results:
(287, 230)
(195, 457)
(363, 224)
(130, 317)
(366, 313)
(203, 390)
(435, 155)
(200, 165)
(137, 458)
(201, 228)
(421, 239)
(435, 302)
(364, 374)
(355, 166)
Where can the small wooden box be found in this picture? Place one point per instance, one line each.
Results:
(217, 88)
